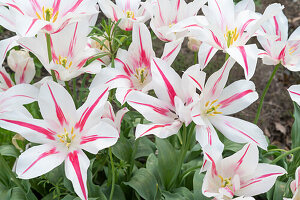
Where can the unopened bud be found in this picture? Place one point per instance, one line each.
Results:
(17, 58)
(194, 44)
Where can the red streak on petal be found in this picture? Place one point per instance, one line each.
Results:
(72, 44)
(92, 138)
(118, 77)
(74, 7)
(234, 97)
(6, 79)
(162, 111)
(214, 168)
(73, 157)
(31, 25)
(243, 52)
(196, 82)
(170, 53)
(43, 155)
(155, 127)
(16, 7)
(170, 88)
(208, 55)
(241, 159)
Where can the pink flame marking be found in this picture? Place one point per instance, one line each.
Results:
(209, 136)
(73, 42)
(201, 88)
(126, 68)
(258, 179)
(31, 25)
(59, 113)
(127, 5)
(49, 134)
(170, 53)
(245, 26)
(86, 114)
(6, 79)
(160, 14)
(74, 7)
(234, 97)
(277, 28)
(92, 138)
(243, 52)
(35, 5)
(162, 111)
(7, 48)
(144, 60)
(55, 6)
(16, 7)
(43, 155)
(214, 168)
(243, 133)
(73, 157)
(221, 15)
(281, 55)
(241, 159)
(22, 78)
(62, 26)
(219, 79)
(229, 190)
(128, 91)
(216, 39)
(155, 127)
(115, 14)
(118, 77)
(8, 20)
(170, 88)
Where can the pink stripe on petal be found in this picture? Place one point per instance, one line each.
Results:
(56, 5)
(209, 136)
(206, 59)
(241, 159)
(258, 179)
(118, 77)
(230, 126)
(16, 7)
(73, 42)
(201, 88)
(234, 97)
(92, 138)
(216, 40)
(59, 113)
(48, 133)
(245, 26)
(74, 7)
(219, 79)
(162, 111)
(88, 112)
(128, 91)
(73, 157)
(31, 25)
(155, 127)
(7, 80)
(243, 52)
(170, 53)
(170, 88)
(214, 168)
(144, 59)
(115, 14)
(43, 155)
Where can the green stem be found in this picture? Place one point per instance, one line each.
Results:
(74, 92)
(195, 58)
(113, 174)
(285, 154)
(50, 55)
(81, 95)
(226, 57)
(189, 171)
(68, 87)
(14, 179)
(264, 93)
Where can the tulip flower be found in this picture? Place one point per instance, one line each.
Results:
(51, 16)
(239, 174)
(13, 99)
(22, 64)
(69, 49)
(175, 99)
(228, 27)
(278, 48)
(217, 102)
(128, 11)
(63, 134)
(133, 67)
(167, 13)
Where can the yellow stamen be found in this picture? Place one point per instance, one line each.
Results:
(231, 36)
(211, 109)
(141, 74)
(129, 14)
(67, 137)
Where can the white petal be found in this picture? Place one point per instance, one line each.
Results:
(159, 130)
(171, 51)
(193, 78)
(246, 56)
(239, 130)
(6, 45)
(261, 180)
(205, 54)
(76, 166)
(237, 96)
(39, 160)
(99, 137)
(294, 92)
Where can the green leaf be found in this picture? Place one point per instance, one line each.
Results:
(167, 162)
(145, 148)
(277, 192)
(144, 183)
(152, 167)
(9, 150)
(198, 181)
(118, 193)
(296, 137)
(123, 149)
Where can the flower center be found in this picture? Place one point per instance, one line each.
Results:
(64, 62)
(141, 74)
(226, 182)
(211, 108)
(231, 36)
(47, 14)
(130, 14)
(67, 137)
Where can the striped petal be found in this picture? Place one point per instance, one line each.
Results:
(159, 130)
(6, 45)
(205, 54)
(76, 166)
(39, 160)
(294, 92)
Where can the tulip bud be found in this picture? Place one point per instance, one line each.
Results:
(194, 44)
(18, 58)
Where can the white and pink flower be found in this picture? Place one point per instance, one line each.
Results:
(239, 174)
(63, 134)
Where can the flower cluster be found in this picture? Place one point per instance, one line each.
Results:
(60, 35)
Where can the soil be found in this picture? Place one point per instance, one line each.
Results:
(276, 117)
